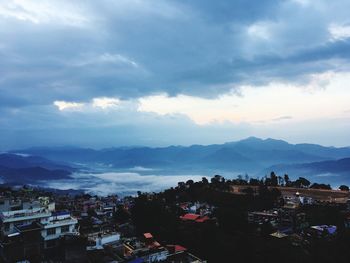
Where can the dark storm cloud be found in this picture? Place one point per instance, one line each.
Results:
(76, 51)
(133, 49)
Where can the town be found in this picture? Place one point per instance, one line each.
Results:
(205, 221)
(38, 226)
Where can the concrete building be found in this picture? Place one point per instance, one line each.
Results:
(57, 225)
(20, 219)
(98, 240)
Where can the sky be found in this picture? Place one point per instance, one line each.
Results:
(142, 72)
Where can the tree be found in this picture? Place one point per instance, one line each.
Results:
(267, 181)
(190, 182)
(217, 179)
(280, 180)
(274, 180)
(286, 180)
(205, 181)
(254, 181)
(181, 185)
(344, 188)
(246, 177)
(122, 215)
(302, 182)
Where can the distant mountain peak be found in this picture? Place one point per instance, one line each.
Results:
(255, 141)
(251, 139)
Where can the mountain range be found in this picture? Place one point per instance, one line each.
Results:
(23, 169)
(252, 155)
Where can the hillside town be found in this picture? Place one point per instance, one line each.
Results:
(192, 222)
(39, 226)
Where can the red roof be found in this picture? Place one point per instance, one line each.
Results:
(202, 219)
(147, 235)
(190, 217)
(179, 248)
(176, 248)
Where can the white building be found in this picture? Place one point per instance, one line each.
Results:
(100, 239)
(57, 225)
(53, 224)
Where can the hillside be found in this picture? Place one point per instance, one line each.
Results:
(16, 168)
(23, 161)
(333, 171)
(31, 174)
(251, 155)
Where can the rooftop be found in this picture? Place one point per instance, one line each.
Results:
(148, 235)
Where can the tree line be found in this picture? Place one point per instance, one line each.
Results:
(275, 180)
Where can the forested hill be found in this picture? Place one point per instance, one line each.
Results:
(251, 155)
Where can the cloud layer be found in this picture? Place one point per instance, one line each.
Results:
(121, 183)
(68, 68)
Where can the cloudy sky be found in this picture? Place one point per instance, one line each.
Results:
(143, 72)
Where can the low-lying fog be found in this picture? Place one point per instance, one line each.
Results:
(121, 183)
(104, 181)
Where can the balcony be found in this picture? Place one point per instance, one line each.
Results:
(62, 222)
(6, 218)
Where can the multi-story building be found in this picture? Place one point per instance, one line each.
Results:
(18, 218)
(98, 240)
(17, 213)
(57, 225)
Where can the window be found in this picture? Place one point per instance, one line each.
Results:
(51, 231)
(64, 229)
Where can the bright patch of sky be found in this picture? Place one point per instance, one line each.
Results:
(66, 105)
(339, 32)
(326, 95)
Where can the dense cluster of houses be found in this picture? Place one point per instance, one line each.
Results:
(36, 226)
(80, 229)
(288, 220)
(112, 248)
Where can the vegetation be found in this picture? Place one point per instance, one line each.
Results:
(344, 188)
(232, 238)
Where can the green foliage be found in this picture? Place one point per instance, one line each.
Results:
(122, 215)
(232, 239)
(344, 188)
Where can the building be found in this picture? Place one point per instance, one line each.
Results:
(16, 213)
(98, 240)
(259, 217)
(323, 230)
(30, 227)
(147, 249)
(179, 254)
(310, 195)
(57, 225)
(195, 218)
